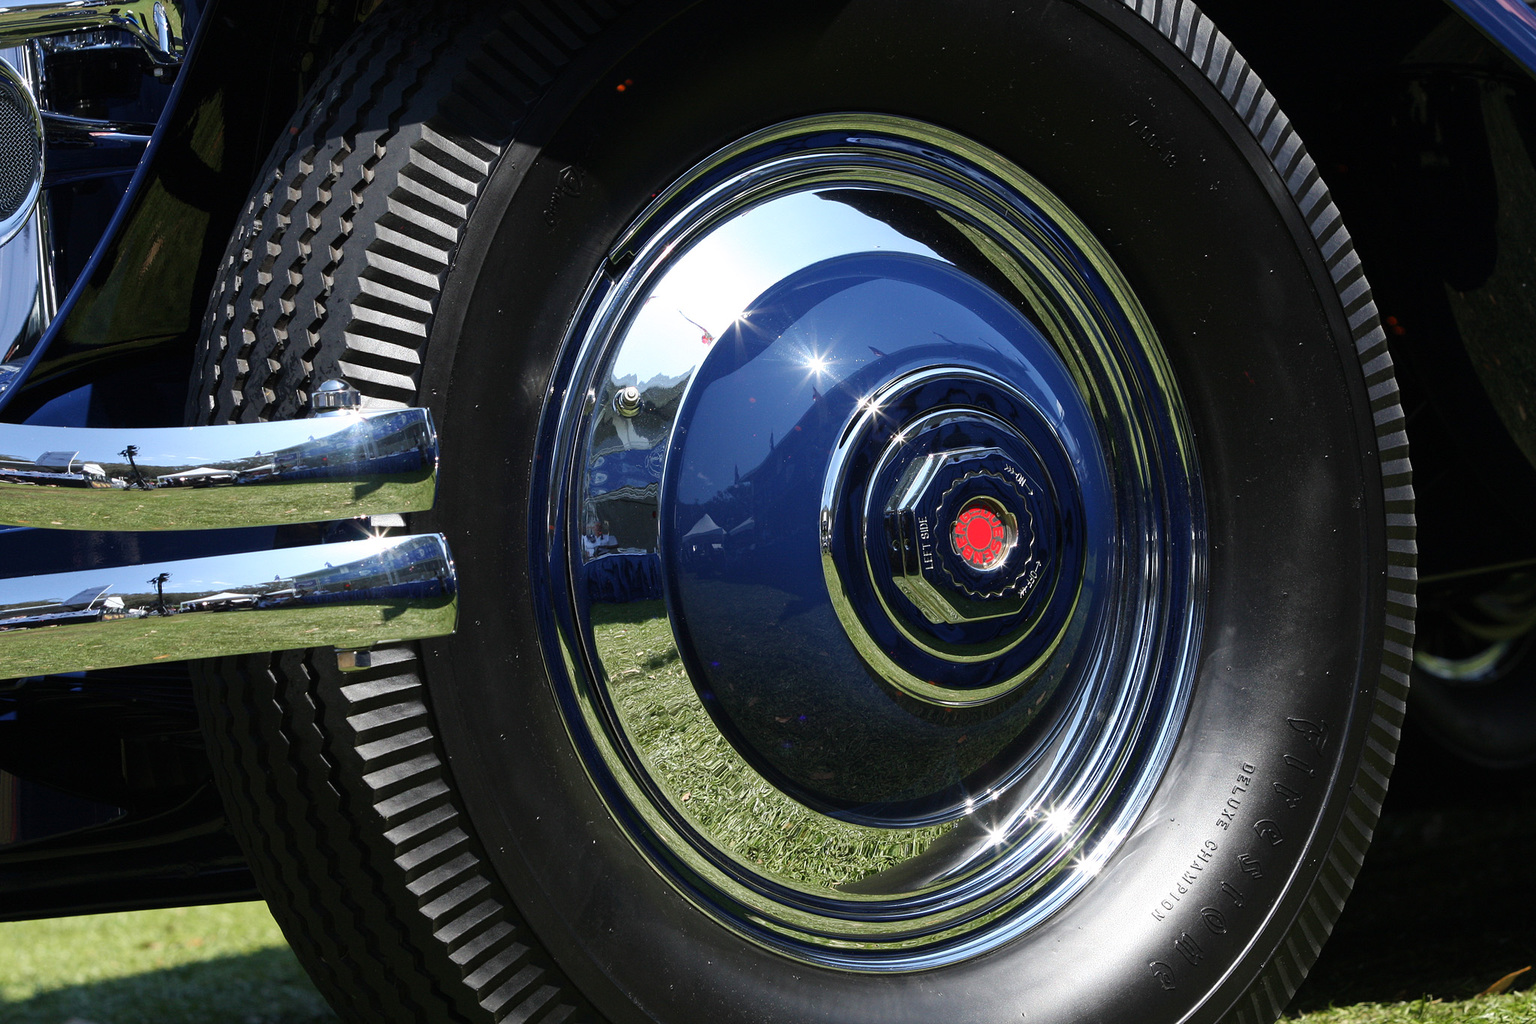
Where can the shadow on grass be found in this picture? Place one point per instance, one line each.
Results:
(265, 987)
(1445, 904)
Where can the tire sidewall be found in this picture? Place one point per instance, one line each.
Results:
(1205, 230)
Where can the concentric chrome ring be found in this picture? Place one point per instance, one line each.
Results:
(803, 368)
(21, 152)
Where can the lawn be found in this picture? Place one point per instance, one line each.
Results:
(705, 776)
(1444, 908)
(229, 965)
(198, 965)
(212, 507)
(143, 641)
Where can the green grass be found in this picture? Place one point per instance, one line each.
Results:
(1519, 1008)
(705, 776)
(209, 507)
(143, 641)
(223, 964)
(229, 964)
(1443, 908)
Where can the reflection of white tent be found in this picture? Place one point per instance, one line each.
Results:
(259, 472)
(219, 602)
(747, 525)
(85, 598)
(201, 476)
(705, 528)
(64, 461)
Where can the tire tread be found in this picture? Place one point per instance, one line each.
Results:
(1366, 783)
(338, 782)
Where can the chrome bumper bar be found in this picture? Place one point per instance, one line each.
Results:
(335, 466)
(349, 595)
(156, 25)
(342, 464)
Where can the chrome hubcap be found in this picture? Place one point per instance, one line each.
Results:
(878, 539)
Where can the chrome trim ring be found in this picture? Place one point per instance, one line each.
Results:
(21, 152)
(832, 321)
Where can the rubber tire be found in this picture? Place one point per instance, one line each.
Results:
(336, 785)
(417, 825)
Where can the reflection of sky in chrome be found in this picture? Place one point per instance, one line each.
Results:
(222, 572)
(183, 446)
(712, 283)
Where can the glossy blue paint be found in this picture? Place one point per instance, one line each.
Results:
(741, 504)
(1510, 23)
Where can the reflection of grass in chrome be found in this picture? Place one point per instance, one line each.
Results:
(207, 507)
(702, 773)
(143, 641)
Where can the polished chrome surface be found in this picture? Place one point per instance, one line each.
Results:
(333, 397)
(833, 725)
(348, 595)
(1002, 555)
(626, 402)
(21, 154)
(155, 25)
(339, 466)
(83, 148)
(29, 297)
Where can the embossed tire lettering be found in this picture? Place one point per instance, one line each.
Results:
(933, 518)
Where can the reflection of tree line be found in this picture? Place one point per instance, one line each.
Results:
(751, 512)
(367, 449)
(136, 479)
(393, 579)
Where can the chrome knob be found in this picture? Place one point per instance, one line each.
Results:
(334, 396)
(627, 402)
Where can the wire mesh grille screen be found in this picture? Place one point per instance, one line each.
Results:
(21, 149)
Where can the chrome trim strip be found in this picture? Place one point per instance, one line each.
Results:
(19, 86)
(349, 595)
(338, 466)
(29, 298)
(1509, 23)
(156, 25)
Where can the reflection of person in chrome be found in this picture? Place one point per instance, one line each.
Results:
(597, 541)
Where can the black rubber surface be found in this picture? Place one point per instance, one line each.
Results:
(336, 784)
(401, 212)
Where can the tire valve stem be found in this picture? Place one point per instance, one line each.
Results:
(627, 402)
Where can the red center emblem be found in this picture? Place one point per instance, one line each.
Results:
(979, 536)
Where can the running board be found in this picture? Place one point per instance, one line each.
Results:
(340, 465)
(350, 596)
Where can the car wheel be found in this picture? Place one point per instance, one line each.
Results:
(933, 521)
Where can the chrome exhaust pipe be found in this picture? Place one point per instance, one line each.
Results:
(350, 595)
(339, 465)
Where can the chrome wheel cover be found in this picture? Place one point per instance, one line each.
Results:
(900, 620)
